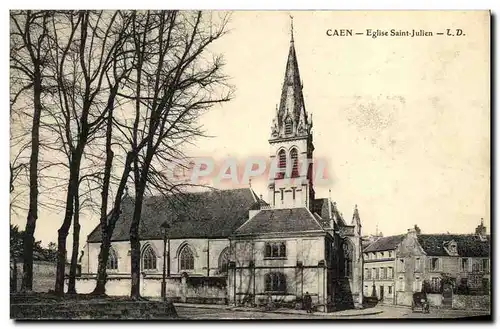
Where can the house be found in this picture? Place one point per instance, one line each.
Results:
(379, 268)
(425, 261)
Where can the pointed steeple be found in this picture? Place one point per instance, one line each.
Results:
(291, 111)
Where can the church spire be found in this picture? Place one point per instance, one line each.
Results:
(291, 117)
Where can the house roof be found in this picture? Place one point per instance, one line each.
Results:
(280, 221)
(384, 243)
(468, 245)
(211, 214)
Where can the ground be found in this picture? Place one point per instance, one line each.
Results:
(382, 312)
(48, 306)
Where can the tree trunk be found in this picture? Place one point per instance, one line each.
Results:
(27, 283)
(135, 246)
(76, 246)
(64, 230)
(107, 228)
(13, 279)
(100, 288)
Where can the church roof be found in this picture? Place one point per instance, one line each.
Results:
(468, 245)
(280, 221)
(211, 214)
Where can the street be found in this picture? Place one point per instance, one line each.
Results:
(198, 313)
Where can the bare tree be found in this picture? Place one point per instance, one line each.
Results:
(175, 82)
(29, 34)
(83, 46)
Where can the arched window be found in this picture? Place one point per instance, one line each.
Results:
(288, 126)
(186, 259)
(295, 162)
(275, 282)
(281, 164)
(224, 260)
(348, 255)
(112, 260)
(148, 258)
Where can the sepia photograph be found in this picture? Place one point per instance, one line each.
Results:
(250, 165)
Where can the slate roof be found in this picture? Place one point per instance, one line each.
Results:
(280, 221)
(468, 245)
(212, 214)
(385, 243)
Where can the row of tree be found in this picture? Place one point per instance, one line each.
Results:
(100, 100)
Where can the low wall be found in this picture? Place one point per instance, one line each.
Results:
(180, 289)
(115, 310)
(460, 302)
(435, 300)
(404, 298)
(44, 275)
(470, 302)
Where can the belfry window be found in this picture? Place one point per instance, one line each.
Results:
(281, 164)
(295, 162)
(288, 126)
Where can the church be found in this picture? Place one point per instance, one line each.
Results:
(231, 246)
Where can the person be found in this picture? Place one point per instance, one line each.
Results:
(308, 302)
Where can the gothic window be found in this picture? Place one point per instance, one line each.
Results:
(288, 126)
(112, 260)
(186, 259)
(295, 162)
(224, 260)
(348, 255)
(275, 250)
(281, 164)
(275, 282)
(148, 258)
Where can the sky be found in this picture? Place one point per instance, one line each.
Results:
(403, 123)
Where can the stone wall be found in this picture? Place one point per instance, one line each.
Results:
(44, 275)
(181, 289)
(405, 298)
(471, 302)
